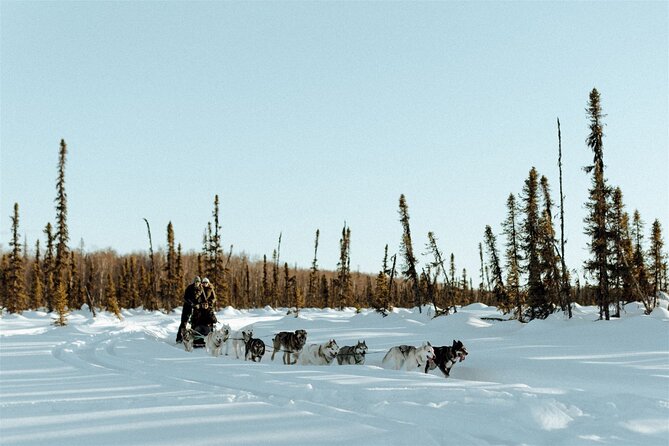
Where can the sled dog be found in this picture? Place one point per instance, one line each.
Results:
(291, 343)
(238, 340)
(408, 357)
(187, 338)
(319, 354)
(445, 357)
(216, 338)
(352, 354)
(254, 349)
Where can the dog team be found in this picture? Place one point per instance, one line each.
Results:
(295, 350)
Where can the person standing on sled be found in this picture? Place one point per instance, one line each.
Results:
(203, 318)
(190, 299)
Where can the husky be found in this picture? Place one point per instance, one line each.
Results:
(238, 340)
(408, 357)
(319, 354)
(290, 343)
(216, 338)
(445, 357)
(187, 338)
(352, 354)
(254, 349)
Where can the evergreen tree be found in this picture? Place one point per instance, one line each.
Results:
(656, 257)
(406, 248)
(313, 273)
(548, 251)
(344, 286)
(325, 291)
(61, 237)
(513, 258)
(536, 294)
(621, 273)
(169, 285)
(215, 255)
(111, 303)
(499, 290)
(49, 268)
(438, 264)
(75, 291)
(598, 207)
(37, 291)
(16, 299)
(60, 304)
(381, 297)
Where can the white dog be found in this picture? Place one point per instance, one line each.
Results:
(319, 354)
(216, 338)
(408, 357)
(238, 340)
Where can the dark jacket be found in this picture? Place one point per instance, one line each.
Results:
(203, 308)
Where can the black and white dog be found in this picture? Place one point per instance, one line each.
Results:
(352, 354)
(255, 348)
(445, 357)
(291, 343)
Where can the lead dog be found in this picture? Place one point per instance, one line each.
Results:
(255, 348)
(291, 343)
(216, 338)
(319, 354)
(408, 357)
(238, 339)
(445, 357)
(352, 354)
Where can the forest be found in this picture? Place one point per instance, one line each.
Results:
(524, 273)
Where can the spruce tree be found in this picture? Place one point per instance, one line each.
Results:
(37, 291)
(552, 281)
(313, 274)
(216, 267)
(49, 268)
(598, 207)
(656, 257)
(639, 257)
(513, 258)
(381, 297)
(16, 298)
(111, 302)
(406, 248)
(62, 237)
(438, 264)
(536, 294)
(344, 286)
(169, 284)
(499, 290)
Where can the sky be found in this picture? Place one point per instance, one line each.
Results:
(311, 115)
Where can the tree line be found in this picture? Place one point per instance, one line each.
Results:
(529, 279)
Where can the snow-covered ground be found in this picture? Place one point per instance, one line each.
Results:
(100, 381)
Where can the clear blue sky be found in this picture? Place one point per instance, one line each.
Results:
(303, 115)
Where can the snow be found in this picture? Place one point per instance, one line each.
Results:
(101, 381)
